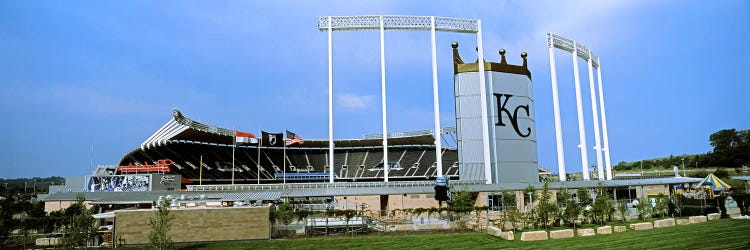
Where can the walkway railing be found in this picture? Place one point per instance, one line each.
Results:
(288, 186)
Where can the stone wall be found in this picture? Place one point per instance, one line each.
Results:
(372, 202)
(51, 206)
(198, 224)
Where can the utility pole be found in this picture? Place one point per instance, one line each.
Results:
(641, 168)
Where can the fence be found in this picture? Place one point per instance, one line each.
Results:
(288, 186)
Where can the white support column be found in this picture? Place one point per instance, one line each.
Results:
(330, 101)
(604, 121)
(436, 102)
(556, 107)
(483, 94)
(491, 124)
(597, 139)
(234, 145)
(257, 163)
(385, 114)
(581, 127)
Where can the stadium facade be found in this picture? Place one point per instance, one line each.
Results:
(189, 144)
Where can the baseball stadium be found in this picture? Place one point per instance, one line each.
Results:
(231, 179)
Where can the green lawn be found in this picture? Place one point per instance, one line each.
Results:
(722, 234)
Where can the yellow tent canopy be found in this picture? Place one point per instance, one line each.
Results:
(713, 182)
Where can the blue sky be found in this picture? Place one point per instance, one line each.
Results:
(107, 73)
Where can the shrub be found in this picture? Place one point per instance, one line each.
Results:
(644, 209)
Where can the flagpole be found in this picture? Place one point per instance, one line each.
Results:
(200, 176)
(260, 143)
(234, 145)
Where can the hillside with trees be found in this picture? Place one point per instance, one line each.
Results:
(731, 149)
(29, 185)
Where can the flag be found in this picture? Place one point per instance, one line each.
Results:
(293, 139)
(245, 137)
(271, 139)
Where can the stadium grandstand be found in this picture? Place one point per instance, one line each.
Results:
(189, 144)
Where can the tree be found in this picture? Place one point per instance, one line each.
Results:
(621, 209)
(462, 202)
(662, 205)
(7, 223)
(285, 213)
(158, 236)
(721, 173)
(82, 227)
(731, 147)
(679, 203)
(603, 207)
(545, 209)
(723, 139)
(37, 218)
(572, 209)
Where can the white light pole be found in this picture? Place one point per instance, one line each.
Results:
(605, 136)
(382, 95)
(581, 127)
(436, 101)
(556, 109)
(330, 101)
(597, 140)
(483, 105)
(683, 167)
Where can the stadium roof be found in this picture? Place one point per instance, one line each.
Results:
(183, 129)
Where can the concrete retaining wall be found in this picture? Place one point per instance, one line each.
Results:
(697, 219)
(534, 235)
(664, 223)
(713, 216)
(560, 234)
(642, 226)
(604, 230)
(586, 232)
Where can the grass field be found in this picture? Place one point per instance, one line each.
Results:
(722, 234)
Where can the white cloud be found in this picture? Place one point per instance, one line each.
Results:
(354, 102)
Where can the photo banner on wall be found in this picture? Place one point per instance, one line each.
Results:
(118, 183)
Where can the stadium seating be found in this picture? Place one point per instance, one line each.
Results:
(305, 164)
